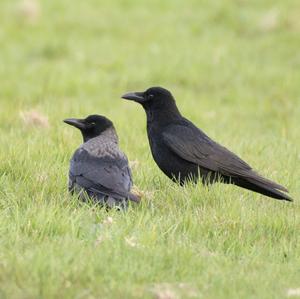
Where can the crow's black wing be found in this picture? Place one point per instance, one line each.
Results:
(106, 174)
(191, 144)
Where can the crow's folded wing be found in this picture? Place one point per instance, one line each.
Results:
(191, 144)
(104, 174)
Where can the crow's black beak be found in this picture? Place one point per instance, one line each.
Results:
(134, 96)
(75, 122)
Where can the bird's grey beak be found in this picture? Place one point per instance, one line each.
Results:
(75, 122)
(134, 96)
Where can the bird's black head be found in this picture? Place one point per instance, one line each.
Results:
(90, 127)
(154, 98)
(158, 103)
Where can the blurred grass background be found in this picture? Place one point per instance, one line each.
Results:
(233, 66)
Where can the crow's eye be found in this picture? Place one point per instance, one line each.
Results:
(151, 96)
(93, 124)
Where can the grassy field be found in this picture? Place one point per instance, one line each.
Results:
(234, 69)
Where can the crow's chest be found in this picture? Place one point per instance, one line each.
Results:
(170, 163)
(160, 152)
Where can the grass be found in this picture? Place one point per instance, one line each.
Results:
(233, 67)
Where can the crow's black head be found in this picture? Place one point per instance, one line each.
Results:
(158, 103)
(151, 98)
(90, 127)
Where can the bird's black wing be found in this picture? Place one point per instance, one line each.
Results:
(104, 174)
(191, 144)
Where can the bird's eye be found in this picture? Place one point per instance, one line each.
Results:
(93, 124)
(151, 96)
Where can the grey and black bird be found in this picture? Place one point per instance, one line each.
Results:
(99, 170)
(184, 152)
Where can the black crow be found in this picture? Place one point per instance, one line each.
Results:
(98, 169)
(183, 152)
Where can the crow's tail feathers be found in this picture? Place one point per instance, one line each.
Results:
(134, 197)
(264, 186)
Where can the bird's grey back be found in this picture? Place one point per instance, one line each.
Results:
(99, 164)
